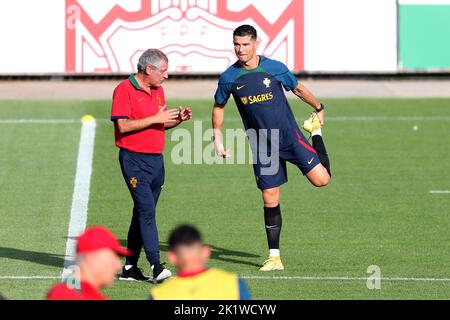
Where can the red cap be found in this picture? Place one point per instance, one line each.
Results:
(96, 238)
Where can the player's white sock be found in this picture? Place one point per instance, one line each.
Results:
(274, 252)
(318, 132)
(128, 266)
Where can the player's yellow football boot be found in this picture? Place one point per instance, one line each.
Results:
(272, 264)
(312, 123)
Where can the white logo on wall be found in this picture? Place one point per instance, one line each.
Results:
(110, 35)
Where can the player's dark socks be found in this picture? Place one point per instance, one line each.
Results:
(319, 146)
(273, 221)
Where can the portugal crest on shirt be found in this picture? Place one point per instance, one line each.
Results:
(266, 82)
(133, 182)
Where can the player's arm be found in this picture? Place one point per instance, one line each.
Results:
(307, 96)
(184, 114)
(220, 100)
(218, 115)
(163, 116)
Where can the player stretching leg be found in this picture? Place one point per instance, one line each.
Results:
(256, 84)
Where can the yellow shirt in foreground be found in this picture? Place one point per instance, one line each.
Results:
(211, 284)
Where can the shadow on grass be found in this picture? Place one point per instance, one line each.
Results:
(217, 253)
(57, 260)
(49, 259)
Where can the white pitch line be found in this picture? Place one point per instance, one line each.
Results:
(300, 278)
(439, 191)
(80, 198)
(38, 121)
(361, 118)
(386, 118)
(29, 277)
(316, 278)
(233, 119)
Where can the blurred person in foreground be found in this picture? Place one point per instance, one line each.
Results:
(194, 280)
(97, 263)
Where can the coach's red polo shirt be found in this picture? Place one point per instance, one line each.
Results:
(63, 292)
(130, 101)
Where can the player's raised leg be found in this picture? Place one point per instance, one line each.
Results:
(320, 175)
(273, 223)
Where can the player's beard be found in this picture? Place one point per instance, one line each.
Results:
(246, 58)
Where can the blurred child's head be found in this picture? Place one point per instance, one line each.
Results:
(186, 249)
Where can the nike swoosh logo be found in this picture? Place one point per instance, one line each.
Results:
(240, 87)
(271, 227)
(309, 162)
(140, 100)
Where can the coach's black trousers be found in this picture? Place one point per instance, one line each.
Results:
(144, 176)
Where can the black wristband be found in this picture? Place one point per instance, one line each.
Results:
(322, 107)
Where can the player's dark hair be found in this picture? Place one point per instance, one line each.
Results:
(245, 30)
(184, 235)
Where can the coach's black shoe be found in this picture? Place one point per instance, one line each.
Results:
(160, 273)
(133, 274)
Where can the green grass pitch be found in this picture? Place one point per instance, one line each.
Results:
(377, 209)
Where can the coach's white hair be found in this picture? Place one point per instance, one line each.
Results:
(152, 57)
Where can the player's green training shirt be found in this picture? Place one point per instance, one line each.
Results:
(260, 97)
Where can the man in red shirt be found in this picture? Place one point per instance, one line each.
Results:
(98, 260)
(140, 119)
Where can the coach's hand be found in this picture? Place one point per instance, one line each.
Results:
(184, 114)
(166, 116)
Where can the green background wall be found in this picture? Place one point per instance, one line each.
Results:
(424, 36)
